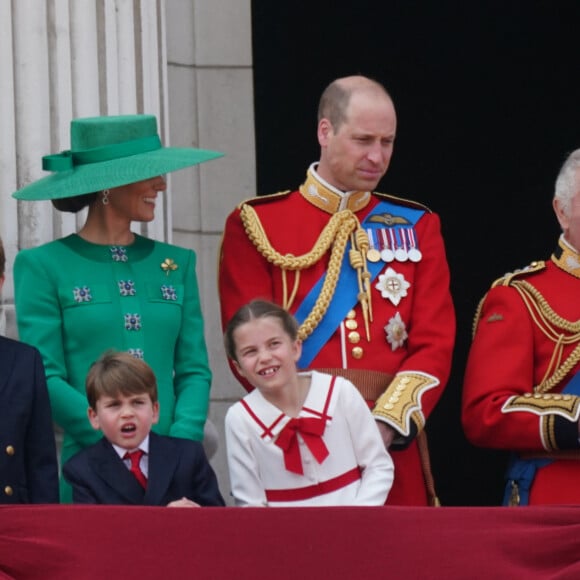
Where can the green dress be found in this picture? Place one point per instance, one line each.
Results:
(74, 300)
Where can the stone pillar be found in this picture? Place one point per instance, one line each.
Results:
(211, 98)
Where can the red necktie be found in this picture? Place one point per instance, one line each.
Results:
(135, 457)
(311, 430)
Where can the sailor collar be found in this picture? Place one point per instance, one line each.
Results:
(269, 420)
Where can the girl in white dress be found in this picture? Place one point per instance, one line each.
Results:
(299, 438)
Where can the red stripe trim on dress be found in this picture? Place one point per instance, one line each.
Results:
(310, 491)
(324, 415)
(266, 431)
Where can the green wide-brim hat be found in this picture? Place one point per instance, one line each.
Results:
(108, 152)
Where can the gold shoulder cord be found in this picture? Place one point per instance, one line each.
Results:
(341, 226)
(557, 329)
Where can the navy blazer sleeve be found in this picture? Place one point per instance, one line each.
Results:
(28, 460)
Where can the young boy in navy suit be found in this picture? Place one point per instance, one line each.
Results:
(165, 471)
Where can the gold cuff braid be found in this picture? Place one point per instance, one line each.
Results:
(568, 406)
(401, 403)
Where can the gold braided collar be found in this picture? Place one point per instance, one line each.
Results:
(329, 199)
(566, 258)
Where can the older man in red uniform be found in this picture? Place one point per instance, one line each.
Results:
(521, 389)
(364, 273)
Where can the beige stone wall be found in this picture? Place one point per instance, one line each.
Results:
(210, 87)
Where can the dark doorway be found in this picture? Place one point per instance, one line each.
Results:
(488, 101)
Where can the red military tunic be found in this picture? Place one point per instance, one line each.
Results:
(525, 351)
(413, 321)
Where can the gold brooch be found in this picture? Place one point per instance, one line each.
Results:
(168, 265)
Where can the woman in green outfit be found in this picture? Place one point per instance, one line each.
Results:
(108, 287)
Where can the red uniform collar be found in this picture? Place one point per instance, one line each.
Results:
(567, 258)
(329, 199)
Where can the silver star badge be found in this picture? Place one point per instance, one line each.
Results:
(392, 286)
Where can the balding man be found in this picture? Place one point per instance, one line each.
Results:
(364, 273)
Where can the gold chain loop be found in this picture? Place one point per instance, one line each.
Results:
(557, 329)
(335, 235)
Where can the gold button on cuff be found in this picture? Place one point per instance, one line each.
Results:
(8, 490)
(9, 450)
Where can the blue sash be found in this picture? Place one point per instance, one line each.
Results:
(521, 472)
(346, 293)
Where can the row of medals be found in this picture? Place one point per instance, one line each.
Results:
(387, 254)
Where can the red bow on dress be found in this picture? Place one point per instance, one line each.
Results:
(311, 430)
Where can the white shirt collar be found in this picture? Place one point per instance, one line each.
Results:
(144, 446)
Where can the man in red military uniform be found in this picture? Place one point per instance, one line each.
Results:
(521, 390)
(364, 273)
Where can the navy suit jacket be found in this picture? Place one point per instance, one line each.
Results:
(28, 461)
(177, 468)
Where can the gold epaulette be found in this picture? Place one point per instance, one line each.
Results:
(403, 201)
(506, 279)
(264, 198)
